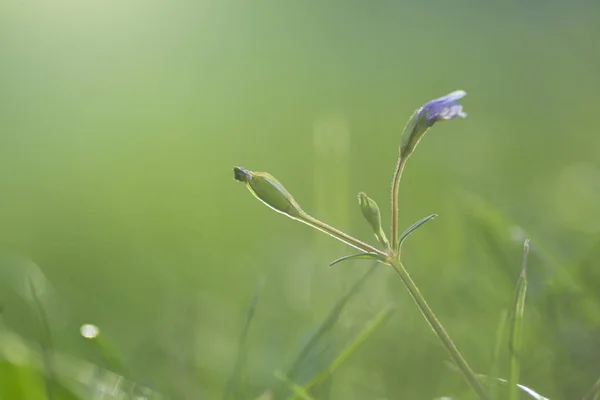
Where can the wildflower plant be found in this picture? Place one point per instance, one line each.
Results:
(272, 193)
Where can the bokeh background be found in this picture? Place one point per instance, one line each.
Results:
(120, 122)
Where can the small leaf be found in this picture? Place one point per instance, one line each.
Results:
(412, 228)
(364, 256)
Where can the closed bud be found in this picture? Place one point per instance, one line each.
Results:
(443, 108)
(370, 211)
(268, 190)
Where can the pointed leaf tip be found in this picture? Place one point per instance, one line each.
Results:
(359, 256)
(525, 256)
(414, 227)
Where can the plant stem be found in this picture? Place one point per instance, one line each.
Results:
(394, 203)
(339, 235)
(439, 330)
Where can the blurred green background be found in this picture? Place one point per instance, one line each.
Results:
(120, 122)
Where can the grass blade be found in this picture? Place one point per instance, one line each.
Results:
(592, 394)
(371, 327)
(45, 341)
(328, 322)
(532, 393)
(298, 390)
(517, 326)
(234, 380)
(495, 368)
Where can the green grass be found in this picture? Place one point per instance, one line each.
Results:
(120, 121)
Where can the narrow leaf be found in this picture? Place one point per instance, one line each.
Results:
(495, 367)
(365, 256)
(371, 327)
(517, 326)
(45, 341)
(412, 228)
(298, 390)
(234, 380)
(328, 322)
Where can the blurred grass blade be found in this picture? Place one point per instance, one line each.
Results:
(328, 322)
(532, 393)
(517, 326)
(413, 228)
(233, 383)
(371, 327)
(359, 256)
(498, 234)
(45, 341)
(495, 365)
(298, 390)
(111, 357)
(592, 394)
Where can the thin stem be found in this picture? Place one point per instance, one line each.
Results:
(394, 203)
(402, 158)
(339, 235)
(439, 329)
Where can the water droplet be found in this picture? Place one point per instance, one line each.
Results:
(89, 331)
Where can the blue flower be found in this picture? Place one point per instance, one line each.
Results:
(445, 107)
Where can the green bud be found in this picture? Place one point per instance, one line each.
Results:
(413, 133)
(371, 212)
(268, 190)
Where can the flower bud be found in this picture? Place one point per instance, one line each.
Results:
(370, 211)
(443, 108)
(268, 190)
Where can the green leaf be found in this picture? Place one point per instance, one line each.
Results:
(371, 327)
(517, 327)
(20, 382)
(46, 342)
(498, 232)
(298, 390)
(234, 380)
(364, 256)
(494, 370)
(412, 228)
(328, 322)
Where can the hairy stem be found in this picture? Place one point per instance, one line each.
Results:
(394, 202)
(439, 330)
(339, 235)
